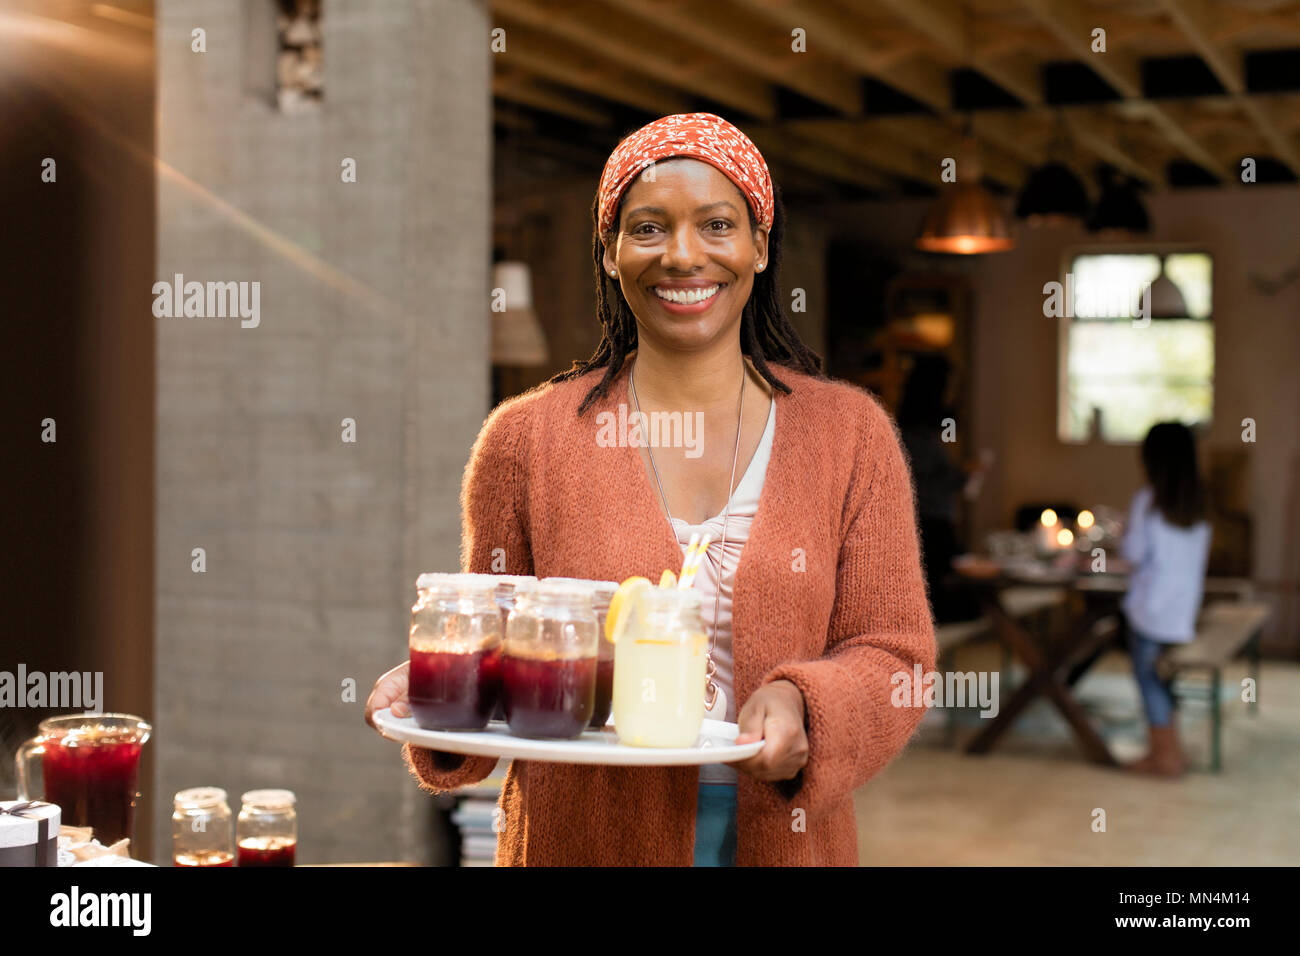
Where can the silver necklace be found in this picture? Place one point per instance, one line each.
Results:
(710, 687)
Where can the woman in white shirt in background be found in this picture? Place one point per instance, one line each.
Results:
(1167, 541)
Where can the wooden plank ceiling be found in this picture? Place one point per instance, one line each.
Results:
(1183, 92)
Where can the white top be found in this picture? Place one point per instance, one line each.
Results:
(1165, 588)
(744, 505)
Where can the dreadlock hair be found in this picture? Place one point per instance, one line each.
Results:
(766, 335)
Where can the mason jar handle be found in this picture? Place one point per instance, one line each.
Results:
(32, 748)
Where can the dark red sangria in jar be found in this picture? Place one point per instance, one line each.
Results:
(454, 681)
(548, 667)
(511, 590)
(602, 594)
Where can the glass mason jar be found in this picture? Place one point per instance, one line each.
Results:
(507, 586)
(267, 829)
(510, 589)
(548, 668)
(602, 594)
(659, 670)
(201, 828)
(455, 648)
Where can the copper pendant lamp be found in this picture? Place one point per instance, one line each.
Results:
(966, 219)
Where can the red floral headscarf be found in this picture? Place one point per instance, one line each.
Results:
(702, 136)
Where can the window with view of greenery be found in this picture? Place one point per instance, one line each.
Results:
(1132, 374)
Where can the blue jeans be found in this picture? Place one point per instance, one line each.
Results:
(715, 825)
(1156, 699)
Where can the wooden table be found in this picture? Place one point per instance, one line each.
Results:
(1054, 667)
(1057, 665)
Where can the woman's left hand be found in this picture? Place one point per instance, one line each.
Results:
(774, 713)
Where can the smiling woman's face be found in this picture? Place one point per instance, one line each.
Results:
(686, 237)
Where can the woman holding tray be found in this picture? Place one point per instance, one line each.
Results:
(812, 588)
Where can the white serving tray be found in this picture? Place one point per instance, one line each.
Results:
(716, 744)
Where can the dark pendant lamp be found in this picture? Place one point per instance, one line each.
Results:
(1053, 195)
(1119, 210)
(966, 219)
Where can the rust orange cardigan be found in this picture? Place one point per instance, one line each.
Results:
(829, 594)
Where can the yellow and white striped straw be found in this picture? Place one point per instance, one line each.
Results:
(689, 557)
(692, 563)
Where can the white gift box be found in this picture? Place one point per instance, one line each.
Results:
(29, 833)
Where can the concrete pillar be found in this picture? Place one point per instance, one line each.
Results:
(373, 307)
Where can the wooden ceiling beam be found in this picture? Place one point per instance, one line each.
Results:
(823, 162)
(941, 20)
(522, 152)
(657, 54)
(854, 140)
(856, 47)
(1196, 21)
(528, 90)
(561, 62)
(1097, 131)
(938, 138)
(923, 80)
(1072, 23)
(750, 47)
(1230, 23)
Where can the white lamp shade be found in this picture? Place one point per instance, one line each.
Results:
(517, 336)
(516, 280)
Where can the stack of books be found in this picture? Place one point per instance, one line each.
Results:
(476, 817)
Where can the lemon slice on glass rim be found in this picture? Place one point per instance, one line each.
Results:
(624, 602)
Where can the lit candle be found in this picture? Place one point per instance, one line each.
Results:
(1047, 527)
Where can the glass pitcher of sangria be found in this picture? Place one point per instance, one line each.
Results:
(91, 767)
(548, 665)
(660, 653)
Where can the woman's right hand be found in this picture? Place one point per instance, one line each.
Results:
(390, 691)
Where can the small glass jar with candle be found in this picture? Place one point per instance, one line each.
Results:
(201, 833)
(267, 829)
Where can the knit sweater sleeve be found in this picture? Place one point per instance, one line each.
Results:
(880, 626)
(494, 539)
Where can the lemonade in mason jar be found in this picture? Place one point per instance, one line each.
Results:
(660, 653)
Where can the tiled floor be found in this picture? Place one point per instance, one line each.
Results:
(1032, 800)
